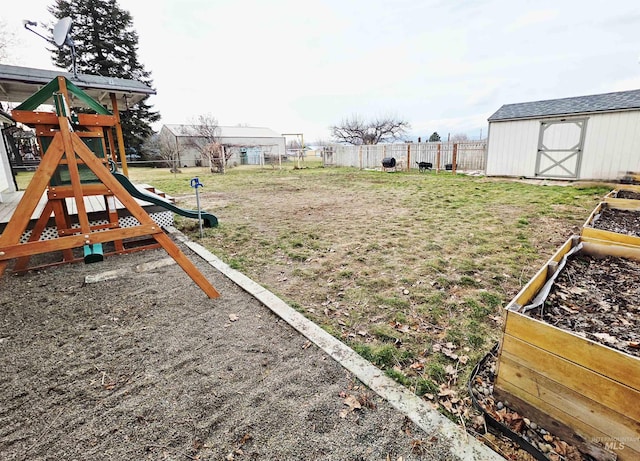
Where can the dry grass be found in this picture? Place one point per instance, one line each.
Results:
(393, 263)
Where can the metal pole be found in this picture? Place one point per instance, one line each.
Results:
(195, 183)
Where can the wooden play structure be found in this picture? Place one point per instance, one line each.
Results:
(78, 151)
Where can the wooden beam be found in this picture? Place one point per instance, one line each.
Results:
(123, 154)
(29, 201)
(87, 189)
(36, 232)
(76, 241)
(72, 164)
(49, 118)
(138, 212)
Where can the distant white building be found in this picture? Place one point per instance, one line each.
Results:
(7, 185)
(584, 137)
(248, 145)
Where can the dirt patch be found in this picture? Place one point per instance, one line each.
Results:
(597, 298)
(147, 367)
(619, 221)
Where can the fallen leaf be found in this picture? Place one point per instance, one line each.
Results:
(352, 403)
(447, 405)
(560, 447)
(478, 422)
(606, 337)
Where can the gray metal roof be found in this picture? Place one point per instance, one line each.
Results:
(607, 102)
(18, 83)
(226, 131)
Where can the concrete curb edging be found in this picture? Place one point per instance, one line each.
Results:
(417, 410)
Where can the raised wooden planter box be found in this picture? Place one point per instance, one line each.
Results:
(590, 232)
(616, 196)
(579, 389)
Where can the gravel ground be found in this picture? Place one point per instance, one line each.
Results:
(145, 366)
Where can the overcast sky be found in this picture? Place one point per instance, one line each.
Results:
(301, 66)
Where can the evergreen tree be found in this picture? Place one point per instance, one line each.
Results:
(107, 45)
(435, 137)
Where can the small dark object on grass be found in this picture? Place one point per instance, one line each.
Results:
(448, 166)
(424, 166)
(389, 162)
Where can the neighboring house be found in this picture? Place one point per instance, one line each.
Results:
(7, 184)
(586, 137)
(248, 145)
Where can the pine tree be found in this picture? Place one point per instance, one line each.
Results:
(106, 44)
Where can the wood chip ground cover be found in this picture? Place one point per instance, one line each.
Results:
(620, 221)
(628, 194)
(597, 298)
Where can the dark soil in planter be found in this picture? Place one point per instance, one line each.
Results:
(599, 299)
(619, 221)
(628, 194)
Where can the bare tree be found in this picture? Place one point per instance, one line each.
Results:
(168, 149)
(7, 41)
(357, 131)
(205, 138)
(460, 137)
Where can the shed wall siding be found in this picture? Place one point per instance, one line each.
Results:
(611, 146)
(512, 148)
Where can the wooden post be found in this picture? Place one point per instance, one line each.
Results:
(408, 157)
(454, 159)
(360, 156)
(384, 154)
(116, 114)
(438, 157)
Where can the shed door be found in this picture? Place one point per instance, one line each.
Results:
(560, 148)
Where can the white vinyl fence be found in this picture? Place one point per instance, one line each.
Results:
(462, 156)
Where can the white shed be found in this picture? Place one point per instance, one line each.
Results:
(249, 145)
(585, 137)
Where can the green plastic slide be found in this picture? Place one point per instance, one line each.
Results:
(208, 219)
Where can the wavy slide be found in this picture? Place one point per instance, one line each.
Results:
(208, 219)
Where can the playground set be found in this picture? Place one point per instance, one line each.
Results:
(79, 161)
